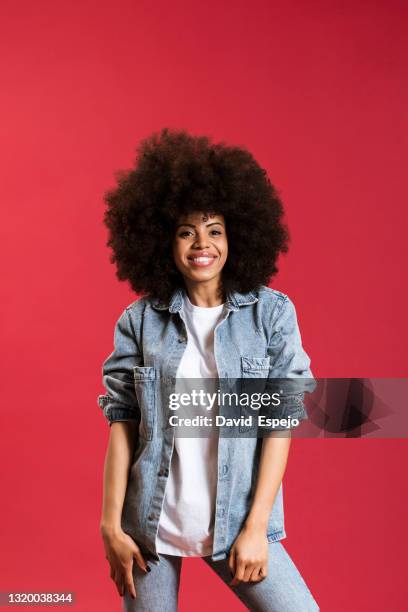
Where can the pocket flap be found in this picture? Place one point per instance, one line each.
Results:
(255, 363)
(144, 373)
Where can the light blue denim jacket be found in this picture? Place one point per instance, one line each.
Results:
(258, 337)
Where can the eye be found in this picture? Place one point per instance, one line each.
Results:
(184, 233)
(216, 232)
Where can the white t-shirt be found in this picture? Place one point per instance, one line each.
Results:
(186, 524)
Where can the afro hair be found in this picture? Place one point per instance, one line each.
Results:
(176, 173)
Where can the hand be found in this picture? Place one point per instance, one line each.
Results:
(248, 558)
(121, 550)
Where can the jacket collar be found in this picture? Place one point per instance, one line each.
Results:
(233, 302)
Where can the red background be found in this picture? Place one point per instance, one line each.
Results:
(317, 91)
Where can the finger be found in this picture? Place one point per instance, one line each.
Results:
(114, 574)
(256, 574)
(119, 584)
(137, 555)
(264, 571)
(129, 582)
(239, 573)
(248, 571)
(231, 562)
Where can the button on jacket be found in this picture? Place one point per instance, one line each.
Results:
(258, 337)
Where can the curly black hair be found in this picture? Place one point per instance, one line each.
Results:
(176, 173)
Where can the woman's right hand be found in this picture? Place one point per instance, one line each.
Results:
(121, 551)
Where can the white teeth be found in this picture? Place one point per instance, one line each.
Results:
(202, 259)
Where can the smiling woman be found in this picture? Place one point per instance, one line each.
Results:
(200, 250)
(180, 223)
(176, 175)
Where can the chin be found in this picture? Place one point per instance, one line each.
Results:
(201, 277)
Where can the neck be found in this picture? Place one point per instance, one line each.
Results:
(205, 293)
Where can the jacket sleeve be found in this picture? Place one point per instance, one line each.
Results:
(289, 363)
(120, 403)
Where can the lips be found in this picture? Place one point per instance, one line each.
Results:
(202, 259)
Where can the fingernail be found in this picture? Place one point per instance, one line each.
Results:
(148, 569)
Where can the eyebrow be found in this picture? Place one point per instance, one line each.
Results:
(193, 226)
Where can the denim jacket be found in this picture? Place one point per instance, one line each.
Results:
(258, 336)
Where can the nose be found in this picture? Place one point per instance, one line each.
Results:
(201, 241)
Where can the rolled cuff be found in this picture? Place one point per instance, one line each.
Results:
(291, 407)
(115, 411)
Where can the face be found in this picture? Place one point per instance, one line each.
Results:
(200, 247)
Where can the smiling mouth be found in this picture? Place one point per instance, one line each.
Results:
(201, 261)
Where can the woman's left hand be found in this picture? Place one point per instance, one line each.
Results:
(248, 558)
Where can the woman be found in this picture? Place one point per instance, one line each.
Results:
(197, 229)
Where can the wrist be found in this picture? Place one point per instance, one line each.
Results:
(109, 529)
(257, 525)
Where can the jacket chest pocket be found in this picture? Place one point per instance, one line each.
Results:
(145, 388)
(254, 373)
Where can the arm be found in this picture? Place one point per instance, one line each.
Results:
(274, 456)
(115, 476)
(119, 547)
(248, 560)
(290, 364)
(121, 409)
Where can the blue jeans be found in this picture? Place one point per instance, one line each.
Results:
(282, 590)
